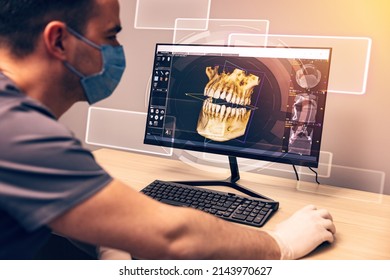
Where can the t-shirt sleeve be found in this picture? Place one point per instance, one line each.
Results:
(44, 170)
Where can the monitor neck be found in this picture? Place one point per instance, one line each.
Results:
(229, 182)
(234, 171)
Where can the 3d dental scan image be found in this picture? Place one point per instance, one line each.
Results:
(226, 120)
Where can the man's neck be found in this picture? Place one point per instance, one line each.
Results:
(36, 80)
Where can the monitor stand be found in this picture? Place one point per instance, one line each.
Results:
(229, 182)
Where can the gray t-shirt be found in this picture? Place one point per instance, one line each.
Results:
(44, 171)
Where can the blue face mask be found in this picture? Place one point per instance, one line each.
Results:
(101, 85)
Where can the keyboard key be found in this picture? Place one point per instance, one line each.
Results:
(173, 202)
(249, 219)
(217, 207)
(239, 216)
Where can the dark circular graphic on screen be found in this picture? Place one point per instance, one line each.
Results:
(266, 100)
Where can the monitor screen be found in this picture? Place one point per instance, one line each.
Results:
(243, 101)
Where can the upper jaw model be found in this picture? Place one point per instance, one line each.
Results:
(228, 118)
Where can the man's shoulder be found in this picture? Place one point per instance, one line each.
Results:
(20, 114)
(27, 127)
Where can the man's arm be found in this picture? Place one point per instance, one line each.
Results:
(123, 218)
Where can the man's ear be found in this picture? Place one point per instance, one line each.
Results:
(56, 39)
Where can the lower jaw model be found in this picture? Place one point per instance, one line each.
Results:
(225, 114)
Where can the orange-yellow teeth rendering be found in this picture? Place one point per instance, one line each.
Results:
(224, 115)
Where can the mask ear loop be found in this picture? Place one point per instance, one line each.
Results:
(74, 70)
(82, 38)
(85, 40)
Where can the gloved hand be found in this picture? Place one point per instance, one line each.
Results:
(303, 232)
(106, 253)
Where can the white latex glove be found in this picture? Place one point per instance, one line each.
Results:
(106, 253)
(303, 232)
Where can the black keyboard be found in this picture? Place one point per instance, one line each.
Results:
(235, 208)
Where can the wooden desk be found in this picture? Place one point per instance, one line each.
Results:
(363, 228)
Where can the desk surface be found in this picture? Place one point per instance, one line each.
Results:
(362, 219)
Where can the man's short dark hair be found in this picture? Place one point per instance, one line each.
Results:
(22, 21)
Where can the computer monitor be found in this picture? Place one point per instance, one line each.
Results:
(240, 101)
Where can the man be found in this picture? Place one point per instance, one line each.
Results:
(51, 56)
